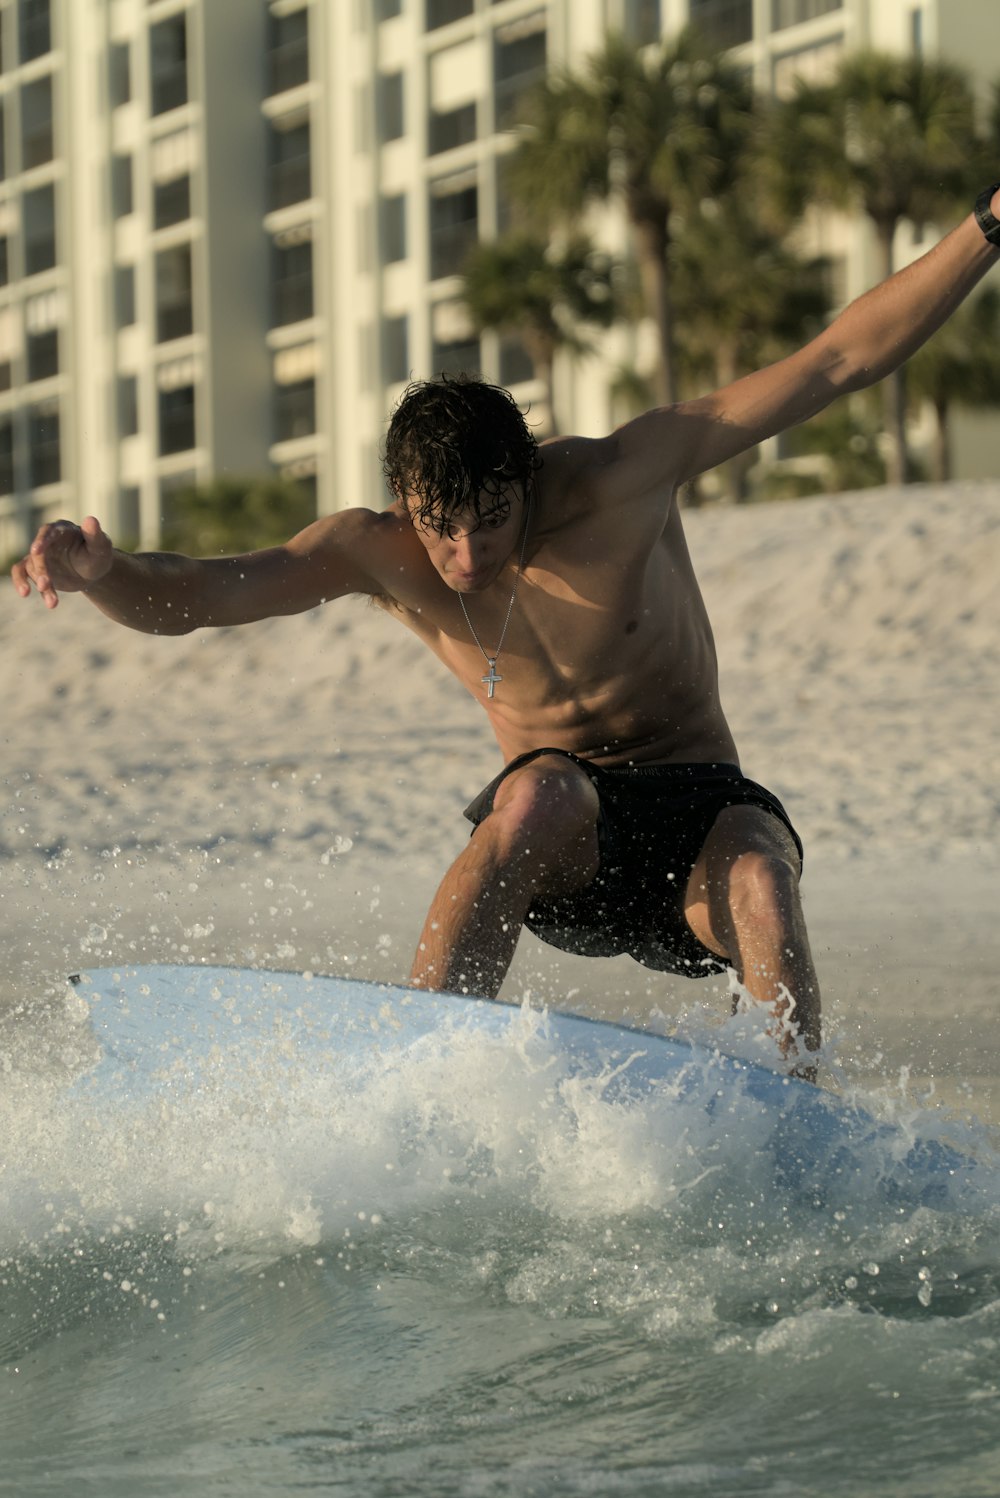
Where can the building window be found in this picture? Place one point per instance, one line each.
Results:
(519, 51)
(288, 51)
(119, 74)
(124, 296)
(643, 22)
(385, 10)
(291, 282)
(389, 106)
(43, 354)
(39, 215)
(6, 457)
(171, 202)
(129, 520)
(177, 425)
(461, 357)
(43, 445)
(451, 128)
(395, 350)
(294, 410)
(36, 123)
(728, 23)
(443, 12)
(793, 12)
(122, 200)
(34, 25)
(4, 260)
(174, 300)
(168, 64)
(454, 222)
(392, 229)
(128, 405)
(515, 362)
(290, 170)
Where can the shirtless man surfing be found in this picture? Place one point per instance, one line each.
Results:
(554, 582)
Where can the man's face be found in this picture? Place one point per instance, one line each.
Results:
(471, 553)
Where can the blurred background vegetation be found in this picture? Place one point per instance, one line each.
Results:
(232, 515)
(714, 184)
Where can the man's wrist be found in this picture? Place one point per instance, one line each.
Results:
(94, 585)
(987, 220)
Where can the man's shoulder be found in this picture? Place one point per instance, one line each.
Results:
(573, 456)
(571, 468)
(632, 462)
(362, 531)
(354, 550)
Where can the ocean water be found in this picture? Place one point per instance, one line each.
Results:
(462, 1271)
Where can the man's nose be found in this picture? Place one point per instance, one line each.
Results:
(468, 553)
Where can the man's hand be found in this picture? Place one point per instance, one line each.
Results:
(64, 558)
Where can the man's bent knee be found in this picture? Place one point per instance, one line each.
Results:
(763, 891)
(548, 810)
(548, 793)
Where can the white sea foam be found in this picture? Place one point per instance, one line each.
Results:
(460, 1215)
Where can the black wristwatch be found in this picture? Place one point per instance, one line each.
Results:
(985, 218)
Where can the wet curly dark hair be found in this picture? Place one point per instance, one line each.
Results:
(456, 443)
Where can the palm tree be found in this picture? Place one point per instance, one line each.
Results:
(744, 299)
(654, 129)
(518, 285)
(959, 366)
(894, 136)
(233, 514)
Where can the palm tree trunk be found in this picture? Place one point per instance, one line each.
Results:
(542, 353)
(543, 369)
(652, 240)
(734, 473)
(894, 385)
(941, 458)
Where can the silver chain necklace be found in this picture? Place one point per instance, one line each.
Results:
(491, 679)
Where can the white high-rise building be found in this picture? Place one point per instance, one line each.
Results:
(231, 230)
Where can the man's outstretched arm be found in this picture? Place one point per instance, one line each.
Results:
(869, 339)
(165, 593)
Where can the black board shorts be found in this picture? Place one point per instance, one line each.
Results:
(652, 825)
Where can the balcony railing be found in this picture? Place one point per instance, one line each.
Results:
(169, 87)
(289, 181)
(294, 410)
(293, 299)
(288, 65)
(450, 244)
(726, 23)
(174, 320)
(177, 428)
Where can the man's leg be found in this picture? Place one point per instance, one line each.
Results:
(743, 903)
(539, 840)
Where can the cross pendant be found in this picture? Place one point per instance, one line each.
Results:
(493, 678)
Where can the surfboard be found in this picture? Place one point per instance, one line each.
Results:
(161, 1031)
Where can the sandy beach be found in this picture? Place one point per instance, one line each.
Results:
(288, 794)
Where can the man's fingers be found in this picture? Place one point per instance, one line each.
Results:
(19, 577)
(63, 554)
(34, 568)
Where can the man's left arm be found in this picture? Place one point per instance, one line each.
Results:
(869, 339)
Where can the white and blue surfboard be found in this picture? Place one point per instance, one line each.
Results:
(163, 1034)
